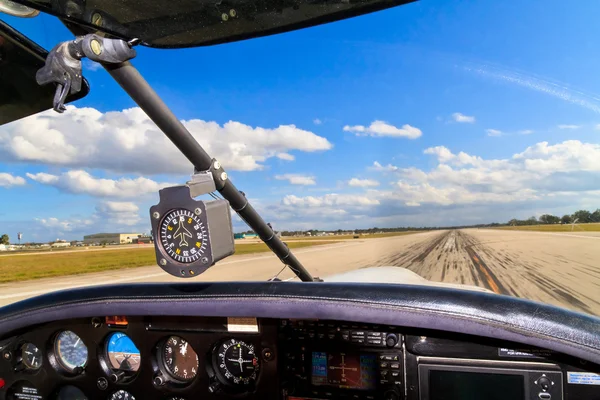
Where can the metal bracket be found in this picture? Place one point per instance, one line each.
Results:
(63, 63)
(219, 176)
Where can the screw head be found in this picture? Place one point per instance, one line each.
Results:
(7, 355)
(232, 13)
(204, 260)
(156, 215)
(198, 211)
(224, 176)
(97, 19)
(217, 165)
(163, 262)
(224, 17)
(96, 322)
(96, 46)
(102, 383)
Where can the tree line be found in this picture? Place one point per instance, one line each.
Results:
(581, 216)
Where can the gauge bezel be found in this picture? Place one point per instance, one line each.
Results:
(55, 359)
(228, 384)
(164, 369)
(106, 364)
(28, 368)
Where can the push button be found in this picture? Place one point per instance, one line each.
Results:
(544, 396)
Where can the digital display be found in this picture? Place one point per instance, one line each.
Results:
(344, 370)
(454, 385)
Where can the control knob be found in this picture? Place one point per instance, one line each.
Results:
(544, 383)
(391, 340)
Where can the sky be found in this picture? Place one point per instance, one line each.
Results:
(435, 113)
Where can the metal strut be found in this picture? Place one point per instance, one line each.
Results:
(113, 55)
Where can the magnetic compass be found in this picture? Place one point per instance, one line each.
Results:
(183, 236)
(190, 235)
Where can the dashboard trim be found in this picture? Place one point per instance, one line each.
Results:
(475, 313)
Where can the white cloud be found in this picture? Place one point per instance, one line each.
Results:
(109, 216)
(461, 118)
(386, 168)
(127, 141)
(120, 213)
(297, 179)
(493, 132)
(8, 180)
(285, 156)
(363, 182)
(544, 86)
(317, 121)
(526, 132)
(566, 126)
(81, 182)
(442, 153)
(382, 128)
(332, 199)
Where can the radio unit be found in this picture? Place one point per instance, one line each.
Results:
(322, 360)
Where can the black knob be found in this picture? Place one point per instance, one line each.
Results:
(214, 387)
(116, 376)
(391, 395)
(391, 340)
(544, 383)
(159, 380)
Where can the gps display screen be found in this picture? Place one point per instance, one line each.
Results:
(344, 370)
(455, 385)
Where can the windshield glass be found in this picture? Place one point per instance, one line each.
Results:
(457, 142)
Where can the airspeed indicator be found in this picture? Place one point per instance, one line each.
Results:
(183, 236)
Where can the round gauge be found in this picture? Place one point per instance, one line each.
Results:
(70, 351)
(236, 361)
(121, 395)
(183, 236)
(31, 356)
(180, 359)
(70, 393)
(122, 353)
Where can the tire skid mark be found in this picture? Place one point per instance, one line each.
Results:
(489, 279)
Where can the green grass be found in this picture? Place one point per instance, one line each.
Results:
(24, 267)
(340, 237)
(593, 227)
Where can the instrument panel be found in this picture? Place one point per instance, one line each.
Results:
(118, 358)
(174, 358)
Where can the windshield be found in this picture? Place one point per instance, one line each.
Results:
(456, 141)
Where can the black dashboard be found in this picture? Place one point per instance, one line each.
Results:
(66, 352)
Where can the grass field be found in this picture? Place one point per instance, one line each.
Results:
(594, 227)
(342, 237)
(24, 267)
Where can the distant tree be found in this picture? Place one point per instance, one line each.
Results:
(582, 215)
(566, 219)
(549, 219)
(596, 215)
(4, 239)
(531, 221)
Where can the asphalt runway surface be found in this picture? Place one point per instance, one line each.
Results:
(556, 268)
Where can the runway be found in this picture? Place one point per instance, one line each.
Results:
(557, 268)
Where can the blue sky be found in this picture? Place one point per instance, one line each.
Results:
(486, 110)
